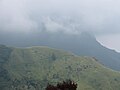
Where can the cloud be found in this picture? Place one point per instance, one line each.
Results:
(14, 16)
(111, 41)
(101, 17)
(62, 24)
(97, 16)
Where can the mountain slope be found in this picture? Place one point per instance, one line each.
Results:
(32, 68)
(83, 45)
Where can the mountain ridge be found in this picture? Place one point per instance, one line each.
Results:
(32, 68)
(83, 44)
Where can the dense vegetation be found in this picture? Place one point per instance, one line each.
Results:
(34, 67)
(65, 85)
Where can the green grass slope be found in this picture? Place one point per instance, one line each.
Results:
(33, 68)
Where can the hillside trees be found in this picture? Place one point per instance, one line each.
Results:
(65, 85)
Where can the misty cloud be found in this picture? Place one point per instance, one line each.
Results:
(14, 16)
(98, 16)
(101, 17)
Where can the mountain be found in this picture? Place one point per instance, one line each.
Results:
(60, 32)
(33, 68)
(84, 44)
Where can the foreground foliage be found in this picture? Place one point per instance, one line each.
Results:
(65, 85)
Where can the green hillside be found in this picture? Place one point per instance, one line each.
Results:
(34, 67)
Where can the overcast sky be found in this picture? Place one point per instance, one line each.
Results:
(101, 17)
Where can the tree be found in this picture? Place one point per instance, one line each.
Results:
(53, 57)
(65, 85)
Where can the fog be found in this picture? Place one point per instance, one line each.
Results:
(20, 19)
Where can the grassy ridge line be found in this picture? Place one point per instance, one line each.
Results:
(43, 64)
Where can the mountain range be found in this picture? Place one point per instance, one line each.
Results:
(32, 68)
(83, 44)
(87, 45)
(63, 33)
